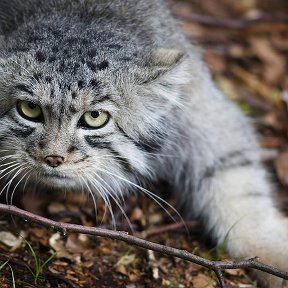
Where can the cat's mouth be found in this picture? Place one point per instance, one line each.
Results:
(57, 179)
(55, 175)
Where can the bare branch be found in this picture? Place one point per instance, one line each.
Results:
(172, 227)
(231, 23)
(216, 266)
(220, 277)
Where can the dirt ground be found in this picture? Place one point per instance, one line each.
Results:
(246, 47)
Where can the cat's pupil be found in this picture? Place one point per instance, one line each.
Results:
(31, 105)
(95, 114)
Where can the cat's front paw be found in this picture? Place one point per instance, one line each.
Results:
(266, 280)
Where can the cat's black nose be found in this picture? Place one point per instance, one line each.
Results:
(54, 160)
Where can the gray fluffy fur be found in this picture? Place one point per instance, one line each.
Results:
(168, 120)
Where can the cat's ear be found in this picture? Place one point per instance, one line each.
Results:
(166, 58)
(167, 73)
(164, 66)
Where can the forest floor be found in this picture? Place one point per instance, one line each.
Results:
(248, 60)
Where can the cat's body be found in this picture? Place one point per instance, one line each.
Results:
(157, 115)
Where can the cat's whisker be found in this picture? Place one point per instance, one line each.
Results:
(17, 184)
(107, 205)
(146, 153)
(105, 198)
(38, 177)
(107, 195)
(92, 195)
(9, 153)
(3, 158)
(153, 196)
(14, 166)
(26, 181)
(6, 164)
(6, 150)
(82, 188)
(8, 184)
(7, 168)
(115, 198)
(65, 191)
(161, 155)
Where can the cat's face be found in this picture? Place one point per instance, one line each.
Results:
(97, 131)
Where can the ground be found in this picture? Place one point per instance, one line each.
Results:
(248, 59)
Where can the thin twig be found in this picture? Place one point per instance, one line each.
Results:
(231, 23)
(220, 277)
(216, 266)
(171, 227)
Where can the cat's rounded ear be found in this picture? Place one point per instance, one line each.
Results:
(167, 66)
(168, 71)
(163, 65)
(166, 58)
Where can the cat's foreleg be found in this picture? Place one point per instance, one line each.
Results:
(237, 202)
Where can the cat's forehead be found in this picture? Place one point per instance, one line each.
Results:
(56, 94)
(84, 69)
(77, 52)
(69, 66)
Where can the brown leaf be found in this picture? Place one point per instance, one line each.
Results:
(56, 207)
(10, 240)
(202, 280)
(235, 272)
(281, 165)
(73, 245)
(274, 63)
(122, 270)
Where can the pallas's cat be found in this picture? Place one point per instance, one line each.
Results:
(105, 95)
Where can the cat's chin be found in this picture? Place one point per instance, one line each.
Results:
(57, 182)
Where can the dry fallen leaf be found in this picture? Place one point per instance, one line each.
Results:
(202, 280)
(122, 270)
(154, 264)
(10, 239)
(235, 272)
(56, 242)
(281, 165)
(274, 64)
(126, 260)
(56, 207)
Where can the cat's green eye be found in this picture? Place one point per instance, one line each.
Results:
(95, 119)
(29, 110)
